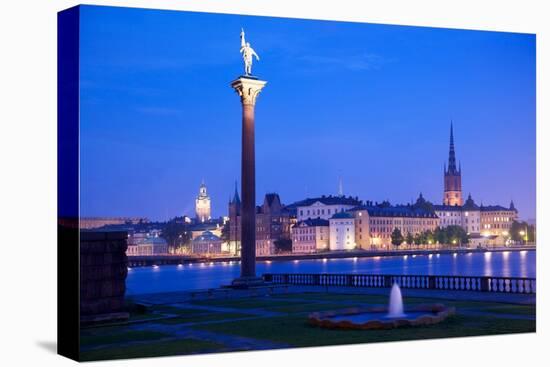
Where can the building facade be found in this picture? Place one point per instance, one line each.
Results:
(376, 222)
(143, 244)
(324, 207)
(497, 220)
(234, 241)
(202, 205)
(207, 244)
(310, 235)
(273, 222)
(467, 216)
(342, 232)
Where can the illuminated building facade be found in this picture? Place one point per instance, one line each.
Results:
(202, 205)
(310, 235)
(342, 232)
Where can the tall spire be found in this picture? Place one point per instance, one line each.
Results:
(340, 187)
(236, 198)
(452, 158)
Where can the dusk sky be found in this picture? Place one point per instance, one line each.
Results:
(371, 104)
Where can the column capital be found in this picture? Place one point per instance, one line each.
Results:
(248, 89)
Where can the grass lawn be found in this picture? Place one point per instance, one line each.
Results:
(290, 327)
(256, 302)
(102, 336)
(294, 330)
(155, 349)
(211, 316)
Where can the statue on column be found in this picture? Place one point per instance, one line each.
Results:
(247, 52)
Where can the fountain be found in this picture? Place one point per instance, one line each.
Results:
(395, 308)
(381, 317)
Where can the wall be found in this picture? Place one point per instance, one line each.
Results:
(103, 270)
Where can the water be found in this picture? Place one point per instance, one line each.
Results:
(361, 318)
(171, 278)
(395, 309)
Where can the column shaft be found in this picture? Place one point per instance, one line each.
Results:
(248, 190)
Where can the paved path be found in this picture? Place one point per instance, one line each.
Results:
(250, 311)
(232, 342)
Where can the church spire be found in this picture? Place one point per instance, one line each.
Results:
(452, 157)
(236, 198)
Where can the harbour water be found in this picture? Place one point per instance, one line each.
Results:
(169, 278)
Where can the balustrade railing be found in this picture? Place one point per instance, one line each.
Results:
(442, 282)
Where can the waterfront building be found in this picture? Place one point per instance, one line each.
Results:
(214, 226)
(310, 235)
(206, 244)
(452, 178)
(324, 207)
(342, 231)
(272, 223)
(145, 244)
(493, 222)
(98, 222)
(374, 223)
(202, 205)
(235, 223)
(497, 220)
(467, 216)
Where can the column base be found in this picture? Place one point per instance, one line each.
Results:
(247, 282)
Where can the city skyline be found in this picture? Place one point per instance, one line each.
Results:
(385, 134)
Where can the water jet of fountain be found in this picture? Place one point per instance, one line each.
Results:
(395, 308)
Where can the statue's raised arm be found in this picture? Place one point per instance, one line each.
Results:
(243, 42)
(248, 52)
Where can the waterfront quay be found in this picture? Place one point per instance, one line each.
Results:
(137, 261)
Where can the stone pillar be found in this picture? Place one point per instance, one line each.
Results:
(103, 270)
(248, 88)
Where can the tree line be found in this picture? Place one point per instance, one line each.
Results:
(450, 235)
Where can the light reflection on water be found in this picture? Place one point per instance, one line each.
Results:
(168, 278)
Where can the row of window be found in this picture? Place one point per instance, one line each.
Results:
(320, 211)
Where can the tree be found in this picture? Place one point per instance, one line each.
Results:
(430, 237)
(456, 235)
(441, 236)
(283, 245)
(396, 237)
(522, 232)
(418, 239)
(225, 232)
(176, 233)
(409, 238)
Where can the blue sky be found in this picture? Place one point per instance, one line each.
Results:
(371, 104)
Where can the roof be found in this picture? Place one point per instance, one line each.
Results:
(272, 197)
(317, 222)
(342, 215)
(207, 236)
(152, 240)
(495, 208)
(448, 208)
(465, 207)
(211, 224)
(396, 211)
(328, 200)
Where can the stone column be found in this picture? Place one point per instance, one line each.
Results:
(248, 88)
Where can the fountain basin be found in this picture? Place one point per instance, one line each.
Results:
(377, 317)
